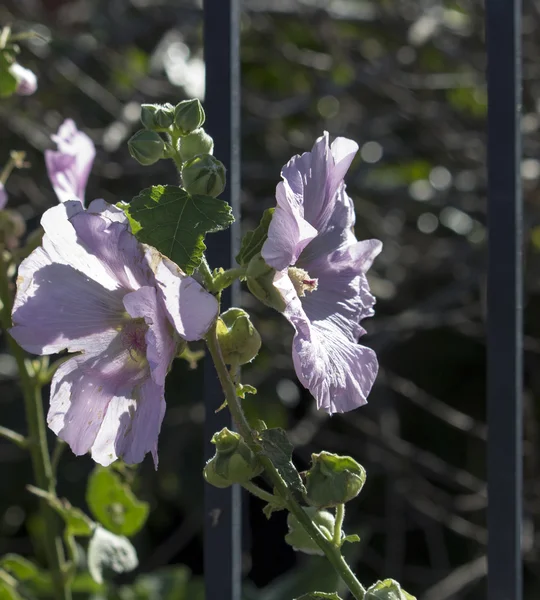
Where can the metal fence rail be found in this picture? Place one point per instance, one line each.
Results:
(222, 520)
(504, 300)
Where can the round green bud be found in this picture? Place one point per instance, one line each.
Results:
(239, 341)
(204, 175)
(298, 537)
(12, 228)
(209, 473)
(260, 281)
(233, 461)
(333, 480)
(157, 117)
(195, 143)
(146, 147)
(387, 590)
(188, 116)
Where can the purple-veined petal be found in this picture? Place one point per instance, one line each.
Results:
(339, 373)
(289, 233)
(342, 296)
(70, 165)
(144, 303)
(26, 80)
(315, 177)
(57, 307)
(86, 385)
(191, 309)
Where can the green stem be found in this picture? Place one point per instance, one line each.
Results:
(228, 277)
(327, 546)
(37, 441)
(14, 437)
(262, 494)
(340, 515)
(206, 274)
(6, 171)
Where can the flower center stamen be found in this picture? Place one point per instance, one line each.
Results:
(133, 339)
(301, 281)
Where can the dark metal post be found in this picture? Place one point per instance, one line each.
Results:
(222, 523)
(504, 300)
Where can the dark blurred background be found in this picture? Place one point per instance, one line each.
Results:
(405, 79)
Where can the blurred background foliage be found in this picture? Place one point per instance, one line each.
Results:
(405, 79)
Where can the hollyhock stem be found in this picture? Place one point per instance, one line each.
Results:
(37, 442)
(332, 552)
(262, 494)
(340, 515)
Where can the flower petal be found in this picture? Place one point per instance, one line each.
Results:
(289, 233)
(342, 296)
(315, 177)
(143, 303)
(131, 426)
(191, 309)
(339, 373)
(70, 165)
(57, 307)
(86, 386)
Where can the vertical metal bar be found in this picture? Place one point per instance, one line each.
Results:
(222, 523)
(504, 300)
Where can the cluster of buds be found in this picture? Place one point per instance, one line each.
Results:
(186, 142)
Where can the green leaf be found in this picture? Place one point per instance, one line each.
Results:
(113, 504)
(20, 567)
(389, 589)
(107, 550)
(319, 596)
(8, 83)
(169, 583)
(175, 223)
(8, 592)
(277, 447)
(243, 388)
(76, 521)
(352, 539)
(253, 241)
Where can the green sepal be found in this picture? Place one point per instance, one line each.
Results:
(253, 241)
(389, 589)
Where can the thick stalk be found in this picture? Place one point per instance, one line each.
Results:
(37, 442)
(333, 554)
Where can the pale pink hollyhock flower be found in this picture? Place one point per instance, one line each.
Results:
(26, 80)
(121, 308)
(70, 165)
(3, 196)
(321, 275)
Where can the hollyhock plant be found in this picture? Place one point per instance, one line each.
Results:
(320, 273)
(70, 165)
(121, 308)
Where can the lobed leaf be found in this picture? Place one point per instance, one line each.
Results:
(176, 223)
(113, 504)
(277, 447)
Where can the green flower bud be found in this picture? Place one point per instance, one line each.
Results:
(233, 461)
(239, 341)
(387, 590)
(298, 537)
(157, 117)
(195, 143)
(333, 479)
(204, 175)
(260, 281)
(188, 116)
(12, 228)
(146, 147)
